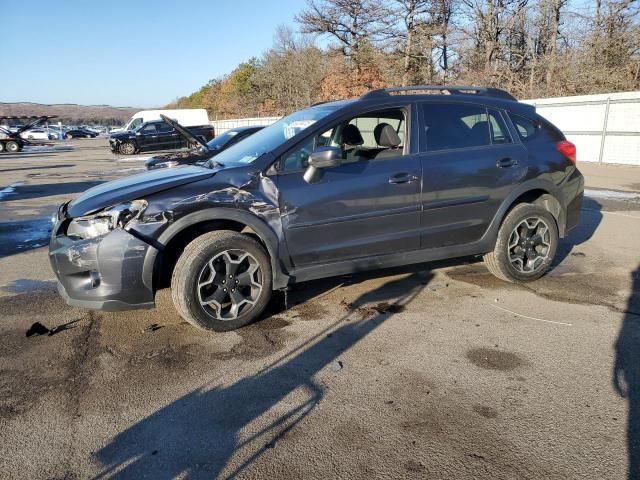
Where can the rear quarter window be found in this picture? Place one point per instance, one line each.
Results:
(533, 131)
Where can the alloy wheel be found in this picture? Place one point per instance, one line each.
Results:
(229, 284)
(529, 245)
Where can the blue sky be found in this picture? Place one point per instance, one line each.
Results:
(138, 53)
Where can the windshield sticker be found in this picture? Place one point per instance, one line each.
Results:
(292, 129)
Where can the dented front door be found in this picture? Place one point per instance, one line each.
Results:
(360, 209)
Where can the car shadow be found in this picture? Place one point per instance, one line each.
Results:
(197, 435)
(626, 373)
(590, 218)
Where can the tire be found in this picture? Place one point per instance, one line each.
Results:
(127, 148)
(12, 146)
(526, 244)
(1, 146)
(193, 281)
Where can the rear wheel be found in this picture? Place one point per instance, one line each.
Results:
(12, 146)
(127, 148)
(526, 244)
(1, 146)
(222, 281)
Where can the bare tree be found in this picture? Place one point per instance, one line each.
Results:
(351, 22)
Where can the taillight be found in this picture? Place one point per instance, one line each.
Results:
(567, 149)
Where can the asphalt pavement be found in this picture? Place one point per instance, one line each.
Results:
(429, 371)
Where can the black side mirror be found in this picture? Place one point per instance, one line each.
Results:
(322, 157)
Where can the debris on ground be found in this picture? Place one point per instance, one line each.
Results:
(152, 328)
(337, 366)
(37, 329)
(388, 308)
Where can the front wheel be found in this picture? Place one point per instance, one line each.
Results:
(222, 281)
(526, 244)
(127, 148)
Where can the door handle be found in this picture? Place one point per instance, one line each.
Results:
(506, 162)
(403, 178)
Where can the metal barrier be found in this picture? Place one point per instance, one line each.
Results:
(222, 126)
(605, 127)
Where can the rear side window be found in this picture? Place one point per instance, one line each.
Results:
(452, 126)
(529, 130)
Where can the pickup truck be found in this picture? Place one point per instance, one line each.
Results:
(155, 135)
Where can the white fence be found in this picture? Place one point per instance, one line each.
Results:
(605, 128)
(222, 126)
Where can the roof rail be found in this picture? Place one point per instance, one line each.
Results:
(445, 89)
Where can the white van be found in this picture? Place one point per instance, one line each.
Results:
(187, 117)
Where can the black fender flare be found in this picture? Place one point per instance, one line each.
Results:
(528, 186)
(266, 234)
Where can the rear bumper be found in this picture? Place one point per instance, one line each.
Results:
(103, 273)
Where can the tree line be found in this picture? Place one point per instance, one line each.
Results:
(532, 48)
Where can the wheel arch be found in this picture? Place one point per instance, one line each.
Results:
(157, 262)
(538, 192)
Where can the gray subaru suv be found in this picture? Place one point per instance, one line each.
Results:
(397, 176)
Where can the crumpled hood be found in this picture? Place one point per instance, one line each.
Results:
(133, 187)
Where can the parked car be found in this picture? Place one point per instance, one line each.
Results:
(204, 152)
(156, 135)
(391, 178)
(38, 134)
(79, 133)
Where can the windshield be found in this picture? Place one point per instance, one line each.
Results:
(221, 140)
(276, 134)
(133, 124)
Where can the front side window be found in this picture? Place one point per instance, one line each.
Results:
(372, 136)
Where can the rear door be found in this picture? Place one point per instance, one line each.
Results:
(367, 206)
(470, 163)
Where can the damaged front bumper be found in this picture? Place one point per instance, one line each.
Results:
(102, 273)
(114, 144)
